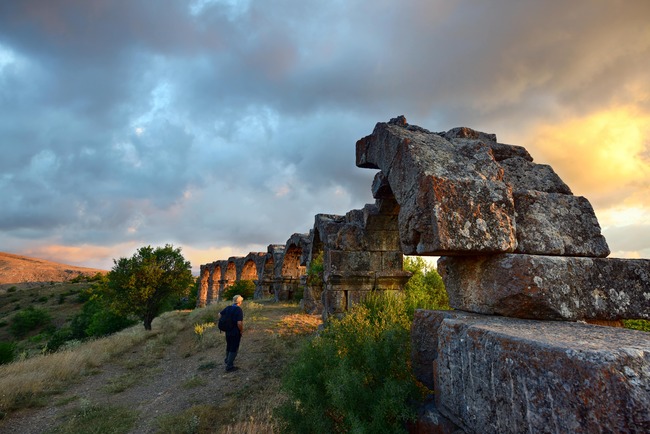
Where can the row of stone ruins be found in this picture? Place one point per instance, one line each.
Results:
(525, 266)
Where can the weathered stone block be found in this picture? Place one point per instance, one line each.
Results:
(455, 193)
(342, 261)
(380, 187)
(381, 241)
(311, 302)
(455, 216)
(393, 280)
(521, 174)
(334, 303)
(557, 224)
(354, 280)
(424, 343)
(506, 375)
(392, 261)
(380, 222)
(548, 287)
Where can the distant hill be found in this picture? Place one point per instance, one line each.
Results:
(22, 271)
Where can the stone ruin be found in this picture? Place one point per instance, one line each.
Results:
(526, 269)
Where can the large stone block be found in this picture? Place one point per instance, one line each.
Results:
(548, 287)
(505, 375)
(557, 224)
(455, 193)
(522, 174)
(455, 216)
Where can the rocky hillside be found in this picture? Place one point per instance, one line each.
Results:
(21, 271)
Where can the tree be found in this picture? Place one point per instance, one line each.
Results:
(425, 288)
(145, 284)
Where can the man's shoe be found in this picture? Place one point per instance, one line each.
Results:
(234, 368)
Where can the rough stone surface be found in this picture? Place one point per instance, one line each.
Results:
(462, 192)
(522, 174)
(557, 224)
(508, 375)
(421, 168)
(546, 287)
(431, 421)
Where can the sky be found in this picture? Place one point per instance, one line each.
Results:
(223, 126)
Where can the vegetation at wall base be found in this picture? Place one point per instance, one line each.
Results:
(355, 376)
(637, 324)
(245, 288)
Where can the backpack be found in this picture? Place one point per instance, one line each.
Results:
(226, 322)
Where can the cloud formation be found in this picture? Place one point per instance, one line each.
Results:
(223, 126)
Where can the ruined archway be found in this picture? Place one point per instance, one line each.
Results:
(202, 295)
(249, 270)
(288, 274)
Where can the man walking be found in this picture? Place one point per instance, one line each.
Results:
(233, 336)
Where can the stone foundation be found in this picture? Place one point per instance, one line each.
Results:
(505, 375)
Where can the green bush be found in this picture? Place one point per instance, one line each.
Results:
(58, 339)
(96, 319)
(12, 289)
(7, 352)
(28, 320)
(354, 376)
(245, 288)
(637, 324)
(315, 270)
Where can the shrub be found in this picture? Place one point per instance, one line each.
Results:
(7, 352)
(58, 339)
(355, 376)
(12, 289)
(245, 288)
(27, 320)
(96, 320)
(315, 270)
(637, 324)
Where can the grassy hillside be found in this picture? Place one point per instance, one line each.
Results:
(169, 380)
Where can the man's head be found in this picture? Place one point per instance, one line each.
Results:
(238, 299)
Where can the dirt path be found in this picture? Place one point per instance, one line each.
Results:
(170, 375)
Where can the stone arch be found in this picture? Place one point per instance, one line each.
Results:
(202, 296)
(249, 271)
(267, 270)
(290, 270)
(229, 275)
(214, 281)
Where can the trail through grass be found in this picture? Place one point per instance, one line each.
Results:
(171, 379)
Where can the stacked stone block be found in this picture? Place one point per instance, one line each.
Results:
(515, 242)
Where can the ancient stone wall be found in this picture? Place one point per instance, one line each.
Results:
(525, 266)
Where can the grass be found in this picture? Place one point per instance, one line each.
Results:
(96, 419)
(273, 332)
(26, 383)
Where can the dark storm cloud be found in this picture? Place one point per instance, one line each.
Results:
(232, 123)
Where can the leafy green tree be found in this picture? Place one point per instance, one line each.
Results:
(425, 289)
(245, 288)
(149, 282)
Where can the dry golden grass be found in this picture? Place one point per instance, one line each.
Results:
(273, 333)
(25, 383)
